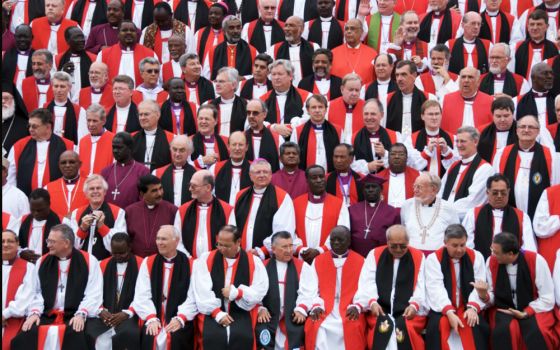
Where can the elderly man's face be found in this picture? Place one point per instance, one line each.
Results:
(148, 117)
(397, 245)
(179, 153)
(40, 67)
(351, 92)
(321, 65)
(98, 76)
(176, 47)
(54, 10)
(237, 147)
(255, 114)
(267, 10)
(472, 27)
(61, 89)
(498, 60)
(466, 145)
(150, 74)
(193, 67)
(225, 87)
(122, 94)
(528, 130)
(281, 79)
(383, 68)
(95, 192)
(468, 82)
(233, 31)
(372, 116)
(8, 105)
(166, 242)
(424, 190)
(293, 28)
(261, 175)
(352, 32)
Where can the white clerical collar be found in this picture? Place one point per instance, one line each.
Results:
(383, 82)
(60, 104)
(151, 207)
(355, 47)
(155, 89)
(151, 132)
(42, 141)
(122, 263)
(123, 108)
(468, 41)
(395, 174)
(228, 100)
(259, 190)
(469, 159)
(492, 13)
(407, 95)
(552, 7)
(432, 133)
(343, 174)
(387, 16)
(284, 93)
(234, 163)
(325, 19)
(295, 45)
(7, 262)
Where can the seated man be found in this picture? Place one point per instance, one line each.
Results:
(331, 283)
(391, 288)
(114, 326)
(54, 304)
(18, 287)
(226, 305)
(280, 320)
(522, 294)
(456, 297)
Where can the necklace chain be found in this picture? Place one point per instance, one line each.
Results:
(423, 227)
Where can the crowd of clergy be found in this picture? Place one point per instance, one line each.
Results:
(281, 174)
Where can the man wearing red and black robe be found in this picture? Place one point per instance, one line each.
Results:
(261, 141)
(321, 81)
(391, 290)
(344, 182)
(228, 283)
(452, 273)
(115, 325)
(36, 89)
(522, 294)
(497, 24)
(200, 219)
(209, 146)
(547, 225)
(48, 31)
(501, 132)
(326, 31)
(439, 25)
(18, 279)
(540, 100)
(265, 31)
(178, 114)
(331, 282)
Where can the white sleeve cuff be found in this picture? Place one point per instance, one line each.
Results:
(233, 292)
(151, 320)
(219, 316)
(129, 313)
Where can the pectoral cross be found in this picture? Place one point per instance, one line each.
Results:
(366, 232)
(424, 234)
(61, 287)
(115, 193)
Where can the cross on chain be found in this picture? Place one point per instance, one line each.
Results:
(61, 287)
(115, 193)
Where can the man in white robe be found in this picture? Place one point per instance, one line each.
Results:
(14, 201)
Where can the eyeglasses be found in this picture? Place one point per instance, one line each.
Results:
(51, 241)
(255, 113)
(223, 246)
(527, 127)
(33, 126)
(152, 71)
(9, 241)
(498, 193)
(398, 246)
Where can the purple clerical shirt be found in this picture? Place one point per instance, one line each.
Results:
(295, 184)
(385, 216)
(125, 176)
(104, 35)
(143, 224)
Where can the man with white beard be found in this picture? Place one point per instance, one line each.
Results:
(500, 80)
(14, 117)
(100, 90)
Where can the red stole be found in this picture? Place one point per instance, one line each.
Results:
(428, 84)
(410, 174)
(530, 257)
(352, 188)
(42, 31)
(192, 106)
(138, 96)
(312, 141)
(31, 95)
(354, 331)
(505, 156)
(106, 99)
(418, 6)
(111, 56)
(167, 71)
(331, 209)
(104, 230)
(547, 246)
(522, 5)
(59, 196)
(209, 42)
(103, 153)
(454, 103)
(337, 114)
(474, 53)
(498, 38)
(6, 217)
(17, 273)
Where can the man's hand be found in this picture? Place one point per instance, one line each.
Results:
(410, 312)
(481, 289)
(441, 71)
(226, 320)
(443, 145)
(105, 316)
(4, 321)
(417, 61)
(398, 38)
(432, 143)
(77, 323)
(226, 291)
(87, 221)
(298, 317)
(29, 255)
(376, 310)
(264, 316)
(153, 328)
(100, 217)
(283, 130)
(173, 326)
(68, 67)
(379, 149)
(471, 316)
(515, 313)
(309, 254)
(454, 321)
(316, 314)
(29, 322)
(375, 165)
(209, 159)
(364, 9)
(352, 313)
(118, 318)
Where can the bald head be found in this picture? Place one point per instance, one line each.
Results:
(201, 186)
(471, 25)
(181, 148)
(98, 74)
(353, 32)
(69, 164)
(542, 77)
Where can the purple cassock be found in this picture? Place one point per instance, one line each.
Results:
(369, 224)
(8, 41)
(122, 180)
(295, 184)
(143, 223)
(104, 35)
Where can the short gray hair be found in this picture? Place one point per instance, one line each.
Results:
(147, 60)
(44, 52)
(183, 138)
(62, 76)
(472, 131)
(188, 56)
(507, 50)
(393, 228)
(226, 21)
(284, 63)
(557, 99)
(176, 233)
(66, 231)
(231, 73)
(259, 161)
(351, 77)
(95, 177)
(153, 105)
(263, 105)
(434, 179)
(97, 109)
(454, 231)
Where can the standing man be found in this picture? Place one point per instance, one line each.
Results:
(499, 79)
(16, 62)
(370, 218)
(539, 101)
(482, 223)
(48, 31)
(321, 81)
(382, 26)
(178, 114)
(145, 217)
(384, 82)
(232, 109)
(456, 297)
(440, 24)
(346, 111)
(258, 84)
(122, 176)
(262, 143)
(521, 292)
(14, 117)
(265, 31)
(161, 299)
(501, 132)
(226, 299)
(95, 147)
(200, 219)
(391, 291)
(438, 80)
(399, 177)
(39, 151)
(198, 88)
(290, 177)
(96, 222)
(327, 31)
(547, 224)
(344, 182)
(463, 183)
(175, 177)
(209, 146)
(150, 89)
(37, 87)
(123, 115)
(100, 90)
(106, 34)
(76, 61)
(271, 205)
(67, 293)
